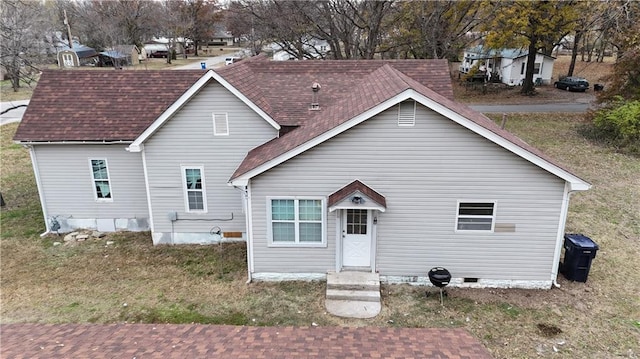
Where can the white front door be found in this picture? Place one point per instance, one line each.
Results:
(356, 238)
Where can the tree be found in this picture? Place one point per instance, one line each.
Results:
(202, 15)
(624, 82)
(104, 24)
(530, 24)
(617, 121)
(22, 46)
(433, 29)
(351, 28)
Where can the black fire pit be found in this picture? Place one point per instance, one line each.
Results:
(439, 277)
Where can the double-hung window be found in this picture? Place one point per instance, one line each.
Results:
(475, 216)
(296, 221)
(536, 67)
(101, 182)
(194, 189)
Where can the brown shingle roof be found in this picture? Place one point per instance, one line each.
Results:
(381, 84)
(283, 88)
(83, 105)
(90, 105)
(352, 187)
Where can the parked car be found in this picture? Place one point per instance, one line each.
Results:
(231, 60)
(572, 84)
(160, 54)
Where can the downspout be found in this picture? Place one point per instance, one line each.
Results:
(145, 170)
(246, 199)
(560, 237)
(36, 172)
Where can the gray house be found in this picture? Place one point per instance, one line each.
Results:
(318, 165)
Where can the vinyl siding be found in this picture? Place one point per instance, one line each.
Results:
(187, 140)
(67, 181)
(423, 171)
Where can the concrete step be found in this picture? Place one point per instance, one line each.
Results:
(353, 309)
(355, 287)
(353, 281)
(354, 295)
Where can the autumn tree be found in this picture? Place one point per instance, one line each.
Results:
(530, 24)
(433, 29)
(624, 82)
(617, 121)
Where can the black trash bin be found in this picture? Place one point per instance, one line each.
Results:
(579, 251)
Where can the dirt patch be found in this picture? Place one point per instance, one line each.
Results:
(549, 330)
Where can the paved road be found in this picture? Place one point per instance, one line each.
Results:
(211, 62)
(165, 341)
(13, 115)
(573, 107)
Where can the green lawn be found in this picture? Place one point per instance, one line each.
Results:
(133, 281)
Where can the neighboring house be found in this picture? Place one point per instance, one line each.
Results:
(122, 55)
(221, 37)
(318, 165)
(132, 53)
(113, 58)
(163, 44)
(508, 65)
(78, 55)
(312, 48)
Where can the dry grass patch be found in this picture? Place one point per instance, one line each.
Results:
(133, 281)
(7, 94)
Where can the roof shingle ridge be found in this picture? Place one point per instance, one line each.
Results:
(327, 119)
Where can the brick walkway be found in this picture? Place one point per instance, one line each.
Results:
(213, 341)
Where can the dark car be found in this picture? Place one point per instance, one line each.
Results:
(160, 54)
(572, 84)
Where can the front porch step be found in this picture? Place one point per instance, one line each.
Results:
(353, 281)
(354, 295)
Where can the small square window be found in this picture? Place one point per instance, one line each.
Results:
(475, 216)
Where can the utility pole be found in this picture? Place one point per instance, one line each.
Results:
(66, 22)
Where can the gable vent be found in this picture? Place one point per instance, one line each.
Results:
(407, 113)
(220, 124)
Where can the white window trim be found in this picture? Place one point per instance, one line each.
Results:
(185, 191)
(493, 217)
(93, 180)
(408, 121)
(216, 119)
(297, 244)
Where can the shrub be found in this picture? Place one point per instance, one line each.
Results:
(619, 125)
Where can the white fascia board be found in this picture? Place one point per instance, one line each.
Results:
(136, 146)
(576, 183)
(347, 206)
(31, 143)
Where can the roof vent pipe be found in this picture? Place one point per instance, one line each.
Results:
(315, 104)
